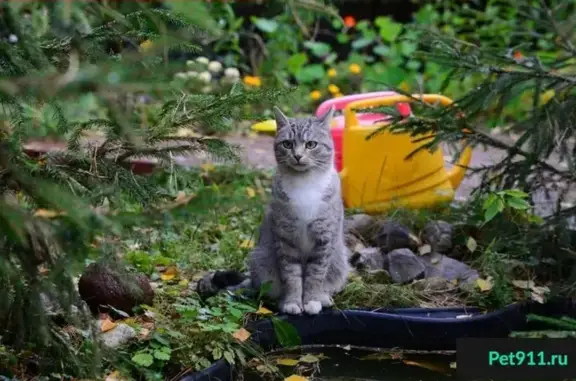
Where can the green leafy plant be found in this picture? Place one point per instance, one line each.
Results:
(208, 329)
(158, 351)
(61, 208)
(497, 202)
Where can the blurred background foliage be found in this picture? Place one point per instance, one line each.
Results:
(115, 82)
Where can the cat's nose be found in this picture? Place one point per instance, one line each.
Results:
(298, 157)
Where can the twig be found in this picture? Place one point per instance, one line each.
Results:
(566, 43)
(348, 347)
(259, 40)
(156, 150)
(316, 30)
(297, 19)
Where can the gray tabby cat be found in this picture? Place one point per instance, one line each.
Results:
(301, 252)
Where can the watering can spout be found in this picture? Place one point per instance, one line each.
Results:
(458, 171)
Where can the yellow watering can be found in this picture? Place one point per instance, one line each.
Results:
(267, 127)
(376, 175)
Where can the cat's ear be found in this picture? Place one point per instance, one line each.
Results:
(281, 119)
(326, 119)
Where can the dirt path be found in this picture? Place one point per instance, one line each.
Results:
(257, 152)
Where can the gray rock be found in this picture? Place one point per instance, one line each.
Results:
(120, 335)
(403, 265)
(391, 235)
(438, 234)
(439, 265)
(367, 259)
(361, 225)
(353, 242)
(52, 307)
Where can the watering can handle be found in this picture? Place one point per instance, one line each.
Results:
(341, 102)
(458, 171)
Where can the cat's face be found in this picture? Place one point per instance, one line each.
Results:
(303, 144)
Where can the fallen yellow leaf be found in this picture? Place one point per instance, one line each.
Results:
(414, 238)
(424, 249)
(250, 191)
(247, 244)
(115, 376)
(309, 359)
(143, 334)
(170, 273)
(241, 335)
(130, 321)
(426, 365)
(471, 244)
(484, 284)
(184, 283)
(523, 284)
(208, 167)
(540, 290)
(266, 368)
(295, 377)
(546, 96)
(171, 270)
(539, 298)
(287, 362)
(107, 325)
(181, 199)
(45, 213)
(264, 311)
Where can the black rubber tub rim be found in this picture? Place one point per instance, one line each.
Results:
(407, 328)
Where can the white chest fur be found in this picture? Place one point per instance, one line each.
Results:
(306, 193)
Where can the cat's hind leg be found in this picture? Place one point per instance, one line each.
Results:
(336, 276)
(264, 272)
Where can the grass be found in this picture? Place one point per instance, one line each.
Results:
(214, 217)
(360, 293)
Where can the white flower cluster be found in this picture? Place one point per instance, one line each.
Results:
(203, 71)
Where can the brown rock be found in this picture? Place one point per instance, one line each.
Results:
(103, 285)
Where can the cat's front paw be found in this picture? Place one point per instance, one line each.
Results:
(326, 300)
(313, 307)
(291, 308)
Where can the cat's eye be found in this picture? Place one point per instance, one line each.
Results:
(287, 144)
(311, 145)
